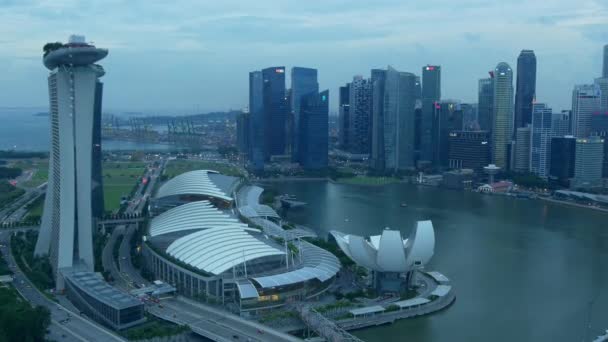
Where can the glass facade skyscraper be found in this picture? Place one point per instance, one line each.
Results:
(542, 132)
(257, 121)
(447, 117)
(303, 82)
(485, 104)
(525, 88)
(585, 103)
(377, 155)
(313, 130)
(275, 111)
(431, 93)
(343, 117)
(605, 68)
(360, 111)
(502, 120)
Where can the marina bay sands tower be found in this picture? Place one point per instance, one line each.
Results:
(75, 92)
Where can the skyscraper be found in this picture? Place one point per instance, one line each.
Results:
(377, 153)
(242, 132)
(399, 119)
(447, 117)
(588, 164)
(431, 93)
(522, 149)
(585, 103)
(605, 69)
(97, 201)
(561, 165)
(66, 233)
(343, 117)
(469, 150)
(360, 112)
(303, 82)
(540, 146)
(275, 111)
(602, 84)
(485, 104)
(257, 121)
(526, 88)
(503, 114)
(313, 134)
(560, 124)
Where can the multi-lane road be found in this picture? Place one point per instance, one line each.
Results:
(66, 323)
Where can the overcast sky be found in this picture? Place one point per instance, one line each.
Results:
(196, 54)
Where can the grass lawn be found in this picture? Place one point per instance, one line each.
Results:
(367, 180)
(179, 166)
(41, 167)
(119, 178)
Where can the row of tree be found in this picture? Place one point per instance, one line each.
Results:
(19, 321)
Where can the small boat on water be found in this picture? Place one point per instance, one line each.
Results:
(403, 205)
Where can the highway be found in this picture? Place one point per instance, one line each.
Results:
(66, 324)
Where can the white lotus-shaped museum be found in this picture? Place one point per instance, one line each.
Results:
(389, 252)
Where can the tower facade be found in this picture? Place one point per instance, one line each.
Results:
(502, 120)
(66, 233)
(485, 104)
(526, 88)
(303, 82)
(431, 93)
(360, 115)
(344, 117)
(540, 146)
(605, 68)
(313, 135)
(585, 103)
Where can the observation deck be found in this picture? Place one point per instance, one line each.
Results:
(75, 55)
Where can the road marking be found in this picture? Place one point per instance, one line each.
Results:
(69, 331)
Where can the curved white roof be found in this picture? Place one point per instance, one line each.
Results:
(249, 206)
(389, 252)
(191, 216)
(216, 250)
(316, 263)
(192, 183)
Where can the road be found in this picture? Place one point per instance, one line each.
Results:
(66, 324)
(15, 211)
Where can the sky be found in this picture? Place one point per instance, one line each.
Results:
(187, 56)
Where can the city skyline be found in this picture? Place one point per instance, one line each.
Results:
(194, 43)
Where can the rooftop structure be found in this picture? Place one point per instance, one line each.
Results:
(199, 182)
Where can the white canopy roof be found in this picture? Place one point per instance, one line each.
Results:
(191, 216)
(216, 250)
(192, 183)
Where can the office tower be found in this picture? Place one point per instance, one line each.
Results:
(522, 149)
(303, 82)
(360, 112)
(431, 93)
(602, 84)
(275, 111)
(97, 201)
(377, 153)
(560, 124)
(599, 125)
(605, 158)
(589, 162)
(66, 233)
(257, 121)
(447, 117)
(585, 103)
(313, 134)
(605, 69)
(485, 104)
(469, 116)
(469, 150)
(561, 165)
(399, 119)
(503, 114)
(540, 145)
(343, 117)
(242, 132)
(525, 89)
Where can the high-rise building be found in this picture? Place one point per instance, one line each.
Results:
(97, 171)
(66, 232)
(525, 88)
(447, 117)
(540, 145)
(313, 134)
(589, 163)
(242, 132)
(377, 153)
(605, 69)
(503, 114)
(257, 121)
(602, 83)
(560, 125)
(469, 150)
(303, 82)
(522, 149)
(399, 119)
(431, 93)
(485, 104)
(561, 165)
(275, 111)
(469, 116)
(585, 103)
(343, 117)
(360, 114)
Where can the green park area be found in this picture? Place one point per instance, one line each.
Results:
(19, 321)
(8, 193)
(39, 168)
(119, 179)
(368, 180)
(179, 166)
